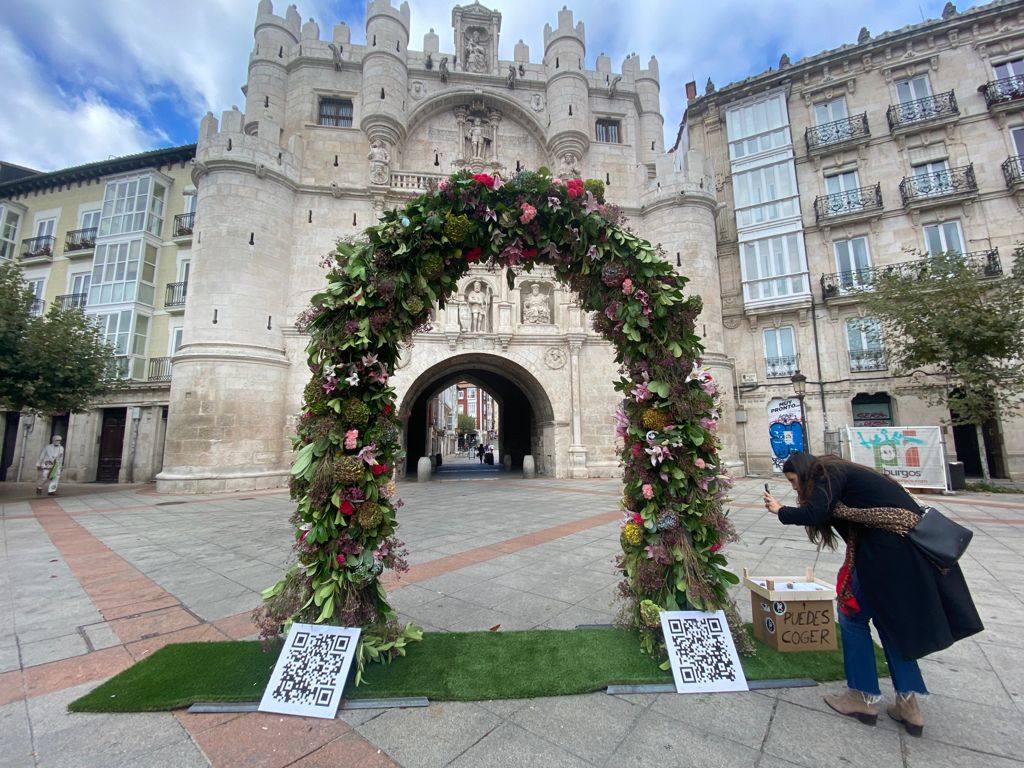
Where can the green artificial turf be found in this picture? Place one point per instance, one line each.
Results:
(446, 666)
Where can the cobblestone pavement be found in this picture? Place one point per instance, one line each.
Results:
(90, 583)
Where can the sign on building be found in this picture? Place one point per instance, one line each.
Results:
(311, 671)
(701, 652)
(914, 456)
(785, 429)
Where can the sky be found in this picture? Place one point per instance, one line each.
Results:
(86, 80)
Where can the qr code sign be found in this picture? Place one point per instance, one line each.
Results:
(701, 652)
(310, 673)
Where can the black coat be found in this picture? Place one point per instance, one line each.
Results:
(921, 609)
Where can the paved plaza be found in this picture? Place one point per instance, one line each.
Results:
(92, 582)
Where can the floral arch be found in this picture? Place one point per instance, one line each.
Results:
(379, 292)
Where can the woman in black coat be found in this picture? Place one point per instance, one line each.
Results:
(917, 609)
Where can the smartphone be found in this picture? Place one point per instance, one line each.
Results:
(766, 488)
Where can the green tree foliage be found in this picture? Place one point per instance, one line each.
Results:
(467, 423)
(959, 320)
(55, 363)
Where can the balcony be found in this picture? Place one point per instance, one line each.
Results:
(174, 298)
(37, 248)
(72, 300)
(1013, 170)
(183, 224)
(850, 205)
(941, 188)
(831, 137)
(780, 367)
(867, 360)
(910, 116)
(1005, 95)
(80, 242)
(839, 284)
(159, 369)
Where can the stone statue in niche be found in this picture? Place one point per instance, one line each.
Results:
(380, 162)
(569, 167)
(478, 300)
(475, 53)
(536, 306)
(510, 80)
(443, 69)
(477, 141)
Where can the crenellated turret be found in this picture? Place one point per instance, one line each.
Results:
(568, 91)
(265, 92)
(652, 124)
(385, 72)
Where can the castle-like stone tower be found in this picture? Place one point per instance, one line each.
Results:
(333, 133)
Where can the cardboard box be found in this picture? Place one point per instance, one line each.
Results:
(793, 613)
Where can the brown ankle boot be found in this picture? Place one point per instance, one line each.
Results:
(854, 704)
(907, 711)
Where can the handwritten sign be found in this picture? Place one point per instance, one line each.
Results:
(785, 430)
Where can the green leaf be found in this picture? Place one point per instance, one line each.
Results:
(660, 388)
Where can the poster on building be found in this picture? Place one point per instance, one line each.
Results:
(785, 429)
(914, 456)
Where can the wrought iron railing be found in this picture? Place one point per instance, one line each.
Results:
(175, 296)
(851, 281)
(939, 106)
(35, 247)
(159, 369)
(1013, 170)
(183, 224)
(867, 360)
(80, 239)
(1003, 91)
(849, 202)
(780, 367)
(952, 181)
(827, 135)
(72, 300)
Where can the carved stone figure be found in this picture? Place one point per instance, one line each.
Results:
(536, 309)
(475, 53)
(863, 36)
(429, 63)
(614, 85)
(569, 165)
(476, 140)
(709, 87)
(555, 358)
(443, 69)
(511, 79)
(380, 162)
(479, 302)
(336, 54)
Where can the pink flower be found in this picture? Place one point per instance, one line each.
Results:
(369, 454)
(658, 454)
(330, 383)
(636, 450)
(442, 185)
(621, 423)
(627, 286)
(637, 518)
(557, 183)
(350, 439)
(575, 188)
(529, 212)
(700, 464)
(648, 491)
(641, 392)
(716, 546)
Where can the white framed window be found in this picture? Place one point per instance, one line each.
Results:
(9, 221)
(864, 340)
(830, 111)
(46, 227)
(779, 352)
(184, 269)
(1012, 68)
(90, 220)
(932, 178)
(115, 272)
(190, 202)
(336, 113)
(157, 202)
(38, 287)
(124, 206)
(758, 127)
(609, 131)
(174, 341)
(78, 282)
(853, 262)
(1017, 134)
(774, 268)
(129, 342)
(913, 88)
(847, 181)
(946, 237)
(765, 194)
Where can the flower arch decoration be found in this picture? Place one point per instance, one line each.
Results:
(379, 291)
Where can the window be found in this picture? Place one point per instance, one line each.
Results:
(79, 282)
(90, 220)
(184, 267)
(190, 203)
(765, 194)
(38, 288)
(46, 227)
(9, 220)
(852, 262)
(932, 178)
(946, 237)
(913, 89)
(130, 347)
(1014, 68)
(336, 113)
(864, 337)
(842, 182)
(830, 111)
(758, 127)
(1018, 140)
(156, 210)
(773, 268)
(608, 131)
(175, 341)
(115, 272)
(779, 352)
(124, 206)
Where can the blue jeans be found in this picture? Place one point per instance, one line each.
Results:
(859, 653)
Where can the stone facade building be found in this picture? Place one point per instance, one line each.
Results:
(832, 167)
(332, 133)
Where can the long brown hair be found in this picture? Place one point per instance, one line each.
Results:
(810, 470)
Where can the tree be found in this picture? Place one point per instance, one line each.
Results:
(56, 363)
(466, 423)
(947, 315)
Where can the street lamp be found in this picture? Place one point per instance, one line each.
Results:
(800, 387)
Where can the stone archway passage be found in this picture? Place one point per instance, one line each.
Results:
(380, 291)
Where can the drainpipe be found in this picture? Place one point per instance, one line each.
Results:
(136, 417)
(821, 379)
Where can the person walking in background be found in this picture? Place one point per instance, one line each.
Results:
(50, 464)
(917, 608)
(480, 453)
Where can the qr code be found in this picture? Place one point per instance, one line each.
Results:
(310, 676)
(702, 648)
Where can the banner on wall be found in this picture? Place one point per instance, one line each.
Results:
(914, 456)
(785, 429)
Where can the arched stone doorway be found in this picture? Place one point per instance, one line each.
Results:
(526, 415)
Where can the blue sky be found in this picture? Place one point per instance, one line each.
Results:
(85, 80)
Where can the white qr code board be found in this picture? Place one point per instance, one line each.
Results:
(701, 652)
(311, 671)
